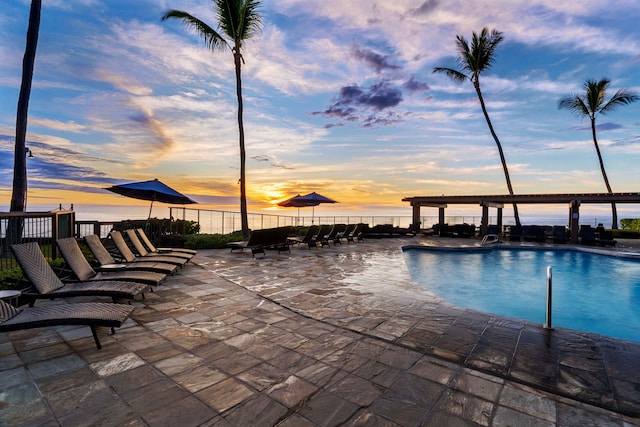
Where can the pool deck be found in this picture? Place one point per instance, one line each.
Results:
(321, 337)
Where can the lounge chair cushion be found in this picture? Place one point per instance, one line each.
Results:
(35, 267)
(7, 311)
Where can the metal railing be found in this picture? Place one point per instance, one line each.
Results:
(225, 222)
(41, 227)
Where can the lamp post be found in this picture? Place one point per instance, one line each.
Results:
(29, 154)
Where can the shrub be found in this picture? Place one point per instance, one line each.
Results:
(630, 224)
(211, 241)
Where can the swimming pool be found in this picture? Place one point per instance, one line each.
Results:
(591, 292)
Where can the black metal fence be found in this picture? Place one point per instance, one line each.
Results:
(41, 227)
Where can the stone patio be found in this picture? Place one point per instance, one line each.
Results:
(334, 336)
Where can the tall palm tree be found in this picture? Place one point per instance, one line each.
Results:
(473, 60)
(238, 20)
(591, 103)
(19, 190)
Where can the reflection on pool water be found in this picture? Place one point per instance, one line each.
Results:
(591, 292)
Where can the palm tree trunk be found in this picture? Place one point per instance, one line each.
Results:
(614, 210)
(20, 162)
(476, 84)
(243, 192)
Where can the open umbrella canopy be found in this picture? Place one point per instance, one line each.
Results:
(311, 199)
(297, 202)
(152, 190)
(316, 198)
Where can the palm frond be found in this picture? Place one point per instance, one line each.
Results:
(454, 75)
(211, 37)
(575, 104)
(621, 97)
(239, 19)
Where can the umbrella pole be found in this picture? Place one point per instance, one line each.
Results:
(146, 226)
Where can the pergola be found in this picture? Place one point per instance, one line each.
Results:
(498, 201)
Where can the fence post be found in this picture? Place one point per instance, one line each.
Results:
(547, 324)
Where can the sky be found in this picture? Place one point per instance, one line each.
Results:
(339, 98)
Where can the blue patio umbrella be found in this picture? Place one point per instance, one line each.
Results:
(153, 190)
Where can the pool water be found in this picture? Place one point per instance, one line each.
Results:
(591, 292)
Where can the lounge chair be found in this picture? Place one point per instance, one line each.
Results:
(587, 235)
(83, 271)
(134, 238)
(129, 256)
(255, 243)
(46, 284)
(309, 237)
(108, 263)
(145, 239)
(144, 253)
(606, 238)
(559, 234)
(336, 233)
(515, 233)
(88, 313)
(323, 234)
(269, 238)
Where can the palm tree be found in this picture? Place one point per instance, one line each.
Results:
(238, 20)
(590, 104)
(473, 60)
(19, 190)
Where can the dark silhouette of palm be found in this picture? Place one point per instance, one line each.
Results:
(591, 103)
(19, 191)
(238, 20)
(473, 60)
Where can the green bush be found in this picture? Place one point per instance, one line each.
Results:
(211, 241)
(626, 234)
(630, 224)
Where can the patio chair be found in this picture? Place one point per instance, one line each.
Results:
(559, 233)
(323, 234)
(308, 238)
(108, 263)
(138, 247)
(45, 283)
(356, 234)
(145, 239)
(587, 235)
(255, 243)
(335, 234)
(85, 314)
(83, 271)
(127, 255)
(605, 238)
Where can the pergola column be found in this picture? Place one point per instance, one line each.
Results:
(484, 223)
(415, 226)
(574, 220)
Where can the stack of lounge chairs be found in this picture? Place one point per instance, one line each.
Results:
(126, 278)
(269, 238)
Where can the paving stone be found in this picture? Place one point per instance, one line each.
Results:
(356, 390)
(187, 411)
(198, 378)
(467, 407)
(327, 409)
(528, 400)
(55, 365)
(225, 394)
(263, 376)
(291, 391)
(117, 364)
(133, 379)
(256, 412)
(507, 417)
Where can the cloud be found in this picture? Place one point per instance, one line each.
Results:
(413, 85)
(352, 100)
(373, 59)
